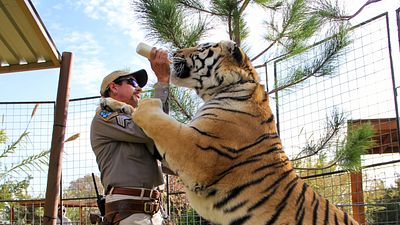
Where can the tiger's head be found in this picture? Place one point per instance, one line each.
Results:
(211, 67)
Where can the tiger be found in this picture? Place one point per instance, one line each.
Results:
(229, 156)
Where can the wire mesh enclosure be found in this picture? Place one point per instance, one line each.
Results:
(360, 92)
(28, 130)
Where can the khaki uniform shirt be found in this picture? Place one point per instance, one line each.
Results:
(124, 153)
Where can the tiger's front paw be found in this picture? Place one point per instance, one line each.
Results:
(147, 108)
(111, 104)
(127, 109)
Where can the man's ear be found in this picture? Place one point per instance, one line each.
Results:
(113, 88)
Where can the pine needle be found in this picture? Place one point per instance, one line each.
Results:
(358, 141)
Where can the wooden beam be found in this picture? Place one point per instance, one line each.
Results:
(357, 197)
(57, 142)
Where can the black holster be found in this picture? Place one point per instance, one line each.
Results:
(99, 218)
(101, 203)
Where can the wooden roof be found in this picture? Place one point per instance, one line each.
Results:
(25, 43)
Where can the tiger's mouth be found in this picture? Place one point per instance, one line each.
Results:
(180, 66)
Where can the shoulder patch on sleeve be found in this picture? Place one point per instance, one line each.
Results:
(122, 120)
(106, 115)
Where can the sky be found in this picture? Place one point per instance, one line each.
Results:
(103, 35)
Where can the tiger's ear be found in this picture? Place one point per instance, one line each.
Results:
(235, 51)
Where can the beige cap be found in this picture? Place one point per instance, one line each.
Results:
(140, 76)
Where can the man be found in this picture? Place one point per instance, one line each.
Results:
(61, 216)
(124, 154)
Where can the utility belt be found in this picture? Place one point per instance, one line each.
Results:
(118, 210)
(121, 209)
(137, 192)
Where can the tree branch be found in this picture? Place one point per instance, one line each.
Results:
(244, 6)
(263, 51)
(315, 71)
(200, 9)
(285, 27)
(332, 128)
(180, 107)
(322, 145)
(322, 168)
(358, 11)
(230, 27)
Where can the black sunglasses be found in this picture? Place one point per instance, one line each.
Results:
(132, 81)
